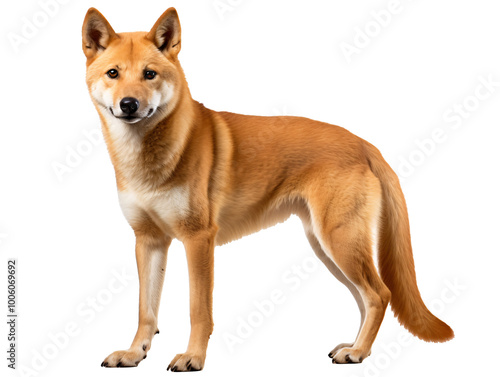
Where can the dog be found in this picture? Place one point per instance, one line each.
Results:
(204, 177)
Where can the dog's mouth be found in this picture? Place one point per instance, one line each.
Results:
(132, 118)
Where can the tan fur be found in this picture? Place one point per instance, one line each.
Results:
(207, 178)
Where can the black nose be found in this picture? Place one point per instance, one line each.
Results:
(129, 105)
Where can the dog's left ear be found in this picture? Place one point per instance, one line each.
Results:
(97, 33)
(166, 33)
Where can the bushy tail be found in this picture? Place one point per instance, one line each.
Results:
(395, 255)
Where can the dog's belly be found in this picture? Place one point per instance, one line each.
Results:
(235, 221)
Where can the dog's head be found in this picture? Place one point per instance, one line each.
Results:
(133, 77)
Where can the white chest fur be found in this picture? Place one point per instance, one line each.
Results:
(165, 208)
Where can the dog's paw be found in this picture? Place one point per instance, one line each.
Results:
(340, 346)
(345, 354)
(123, 359)
(186, 362)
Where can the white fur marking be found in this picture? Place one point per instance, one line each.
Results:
(167, 206)
(167, 92)
(155, 279)
(102, 95)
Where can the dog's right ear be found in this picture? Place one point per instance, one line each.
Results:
(97, 33)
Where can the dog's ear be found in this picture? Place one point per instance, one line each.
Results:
(97, 33)
(166, 33)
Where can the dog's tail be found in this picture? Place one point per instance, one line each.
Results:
(395, 256)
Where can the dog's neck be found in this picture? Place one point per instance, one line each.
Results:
(146, 156)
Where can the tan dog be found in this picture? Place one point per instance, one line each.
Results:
(186, 172)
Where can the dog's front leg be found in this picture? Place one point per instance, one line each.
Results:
(151, 254)
(200, 258)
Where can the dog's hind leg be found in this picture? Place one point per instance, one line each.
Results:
(340, 276)
(343, 214)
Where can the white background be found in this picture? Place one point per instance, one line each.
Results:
(258, 57)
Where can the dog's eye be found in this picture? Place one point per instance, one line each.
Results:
(112, 73)
(149, 75)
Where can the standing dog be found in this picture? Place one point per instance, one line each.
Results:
(186, 172)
